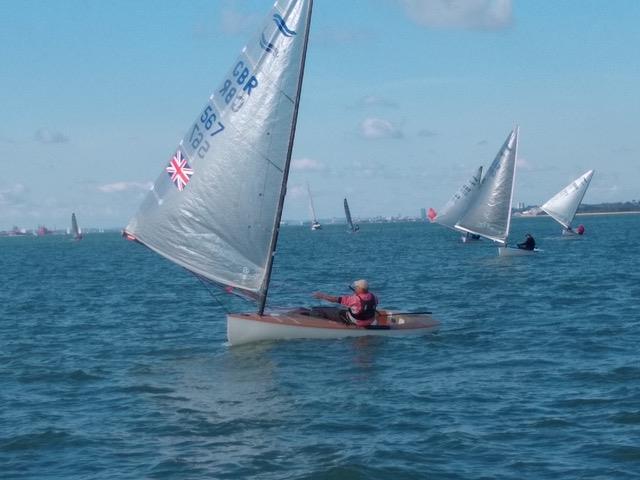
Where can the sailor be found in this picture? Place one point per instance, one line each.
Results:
(528, 244)
(361, 305)
(580, 230)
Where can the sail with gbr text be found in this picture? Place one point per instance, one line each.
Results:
(216, 206)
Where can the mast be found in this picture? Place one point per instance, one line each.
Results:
(314, 219)
(513, 184)
(262, 300)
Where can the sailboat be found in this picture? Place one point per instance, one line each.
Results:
(490, 213)
(564, 205)
(217, 205)
(353, 228)
(456, 207)
(315, 224)
(75, 230)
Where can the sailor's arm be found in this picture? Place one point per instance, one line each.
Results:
(328, 298)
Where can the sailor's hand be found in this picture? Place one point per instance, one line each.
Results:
(319, 295)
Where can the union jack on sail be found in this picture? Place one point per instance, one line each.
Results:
(179, 170)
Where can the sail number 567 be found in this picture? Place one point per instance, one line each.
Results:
(208, 120)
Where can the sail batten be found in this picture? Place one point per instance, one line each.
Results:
(564, 205)
(215, 208)
(489, 215)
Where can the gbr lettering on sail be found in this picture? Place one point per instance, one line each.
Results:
(233, 93)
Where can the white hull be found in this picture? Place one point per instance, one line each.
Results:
(316, 226)
(570, 233)
(245, 328)
(515, 252)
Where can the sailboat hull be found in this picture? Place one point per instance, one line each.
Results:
(515, 252)
(243, 328)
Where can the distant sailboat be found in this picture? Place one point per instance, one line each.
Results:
(457, 206)
(564, 205)
(315, 224)
(75, 230)
(217, 205)
(353, 228)
(490, 213)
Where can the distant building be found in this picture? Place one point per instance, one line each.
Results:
(423, 214)
(521, 206)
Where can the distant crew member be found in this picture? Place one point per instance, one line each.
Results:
(528, 244)
(580, 230)
(361, 305)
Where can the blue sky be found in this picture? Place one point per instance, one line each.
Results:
(402, 99)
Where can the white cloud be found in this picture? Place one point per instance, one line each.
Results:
(465, 14)
(306, 164)
(44, 135)
(374, 128)
(374, 101)
(118, 187)
(524, 164)
(296, 191)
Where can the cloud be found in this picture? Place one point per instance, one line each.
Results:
(524, 164)
(426, 133)
(482, 143)
(233, 21)
(375, 128)
(296, 191)
(463, 14)
(118, 187)
(369, 101)
(13, 195)
(46, 136)
(306, 164)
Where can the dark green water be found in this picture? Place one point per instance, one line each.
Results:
(113, 362)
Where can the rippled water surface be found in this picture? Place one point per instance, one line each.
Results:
(113, 362)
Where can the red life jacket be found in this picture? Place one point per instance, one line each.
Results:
(367, 308)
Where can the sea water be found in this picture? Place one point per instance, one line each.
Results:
(113, 362)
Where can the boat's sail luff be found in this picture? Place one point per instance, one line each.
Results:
(564, 205)
(75, 230)
(490, 214)
(220, 224)
(458, 204)
(347, 214)
(312, 208)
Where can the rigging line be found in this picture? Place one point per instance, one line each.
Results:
(213, 295)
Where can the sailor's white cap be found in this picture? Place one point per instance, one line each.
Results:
(363, 284)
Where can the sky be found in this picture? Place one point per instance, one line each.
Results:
(402, 99)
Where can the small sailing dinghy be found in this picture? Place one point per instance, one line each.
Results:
(315, 224)
(216, 207)
(353, 228)
(490, 213)
(457, 206)
(564, 205)
(75, 230)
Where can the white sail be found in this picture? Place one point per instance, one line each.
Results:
(216, 206)
(564, 205)
(490, 214)
(75, 230)
(312, 209)
(456, 207)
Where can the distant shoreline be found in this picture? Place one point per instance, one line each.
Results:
(583, 214)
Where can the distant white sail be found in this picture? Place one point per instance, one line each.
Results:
(564, 205)
(216, 206)
(456, 207)
(312, 208)
(490, 213)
